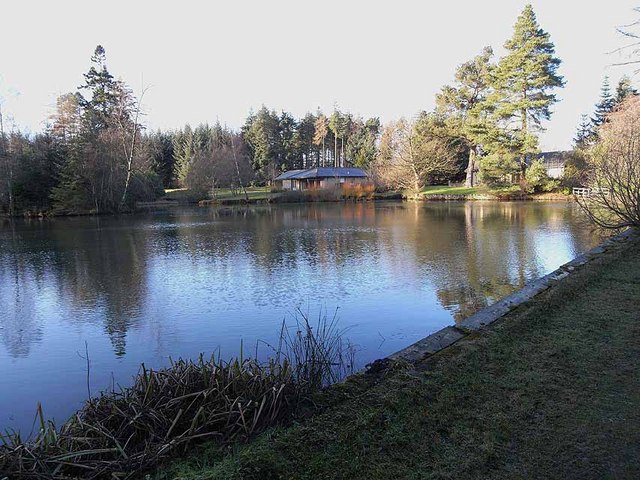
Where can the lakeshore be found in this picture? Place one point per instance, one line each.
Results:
(264, 196)
(548, 391)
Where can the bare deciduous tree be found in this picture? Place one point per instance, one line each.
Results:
(222, 166)
(631, 50)
(128, 111)
(613, 170)
(412, 154)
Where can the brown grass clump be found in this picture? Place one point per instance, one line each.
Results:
(123, 432)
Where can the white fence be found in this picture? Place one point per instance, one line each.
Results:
(587, 192)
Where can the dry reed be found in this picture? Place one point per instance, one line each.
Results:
(123, 432)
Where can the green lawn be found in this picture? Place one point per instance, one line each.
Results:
(178, 194)
(550, 391)
(482, 190)
(221, 194)
(446, 190)
(252, 192)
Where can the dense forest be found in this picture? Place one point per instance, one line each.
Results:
(97, 156)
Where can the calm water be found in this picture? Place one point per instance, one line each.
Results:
(148, 287)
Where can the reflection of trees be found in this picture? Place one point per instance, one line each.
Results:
(96, 265)
(105, 270)
(251, 252)
(495, 257)
(472, 254)
(19, 327)
(282, 235)
(469, 254)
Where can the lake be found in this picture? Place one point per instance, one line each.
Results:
(167, 284)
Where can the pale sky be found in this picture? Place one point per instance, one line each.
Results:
(217, 60)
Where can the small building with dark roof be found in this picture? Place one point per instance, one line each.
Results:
(320, 178)
(554, 162)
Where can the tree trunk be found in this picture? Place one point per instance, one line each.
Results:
(235, 160)
(130, 153)
(471, 168)
(335, 150)
(525, 129)
(10, 189)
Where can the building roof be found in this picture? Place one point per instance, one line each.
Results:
(322, 172)
(289, 174)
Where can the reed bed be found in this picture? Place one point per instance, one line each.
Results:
(125, 431)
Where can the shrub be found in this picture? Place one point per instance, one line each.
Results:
(358, 190)
(574, 170)
(497, 169)
(537, 180)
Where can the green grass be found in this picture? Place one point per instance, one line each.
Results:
(508, 189)
(482, 190)
(550, 391)
(178, 194)
(252, 192)
(446, 190)
(184, 194)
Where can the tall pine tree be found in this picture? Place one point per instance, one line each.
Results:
(524, 81)
(464, 105)
(584, 134)
(321, 129)
(101, 86)
(605, 106)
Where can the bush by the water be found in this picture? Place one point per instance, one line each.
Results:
(123, 432)
(344, 191)
(358, 190)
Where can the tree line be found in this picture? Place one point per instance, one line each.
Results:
(97, 156)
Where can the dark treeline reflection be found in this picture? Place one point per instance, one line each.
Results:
(468, 254)
(79, 264)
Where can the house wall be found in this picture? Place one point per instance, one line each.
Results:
(309, 183)
(335, 182)
(556, 171)
(329, 182)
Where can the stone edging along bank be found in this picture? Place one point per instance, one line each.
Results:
(449, 335)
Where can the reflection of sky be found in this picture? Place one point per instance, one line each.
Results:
(552, 247)
(149, 287)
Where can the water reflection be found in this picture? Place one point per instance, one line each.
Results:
(146, 287)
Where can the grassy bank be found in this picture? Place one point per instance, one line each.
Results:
(550, 391)
(446, 190)
(511, 191)
(185, 195)
(433, 192)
